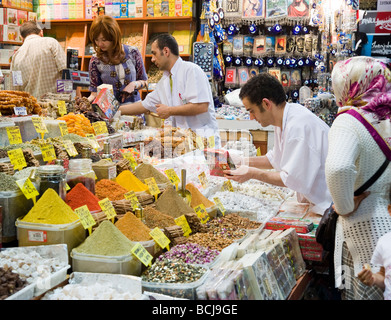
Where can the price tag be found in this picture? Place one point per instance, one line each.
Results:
(92, 139)
(17, 79)
(203, 180)
(128, 155)
(85, 216)
(219, 205)
(20, 111)
(67, 187)
(100, 127)
(227, 186)
(152, 186)
(39, 125)
(200, 210)
(70, 148)
(27, 188)
(63, 128)
(211, 142)
(200, 143)
(17, 158)
(182, 222)
(259, 152)
(14, 135)
(160, 238)
(48, 152)
(173, 177)
(107, 208)
(133, 199)
(62, 108)
(142, 254)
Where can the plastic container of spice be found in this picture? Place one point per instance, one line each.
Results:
(80, 171)
(127, 264)
(14, 205)
(178, 290)
(105, 169)
(34, 234)
(4, 140)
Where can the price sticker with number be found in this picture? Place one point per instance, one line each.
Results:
(20, 111)
(14, 135)
(100, 127)
(85, 217)
(200, 210)
(16, 157)
(39, 125)
(219, 205)
(152, 186)
(70, 148)
(27, 188)
(142, 254)
(107, 208)
(92, 139)
(133, 199)
(128, 155)
(182, 222)
(160, 238)
(48, 152)
(203, 180)
(62, 108)
(173, 177)
(227, 186)
(63, 128)
(259, 153)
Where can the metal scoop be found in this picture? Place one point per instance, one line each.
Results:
(185, 194)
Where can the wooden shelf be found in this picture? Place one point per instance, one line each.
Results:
(143, 19)
(12, 42)
(13, 7)
(183, 55)
(5, 65)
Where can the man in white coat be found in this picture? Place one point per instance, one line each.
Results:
(183, 95)
(300, 144)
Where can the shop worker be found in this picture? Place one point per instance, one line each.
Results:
(300, 144)
(183, 95)
(40, 60)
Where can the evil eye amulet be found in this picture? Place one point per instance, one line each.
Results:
(270, 62)
(296, 30)
(237, 61)
(280, 61)
(248, 61)
(252, 28)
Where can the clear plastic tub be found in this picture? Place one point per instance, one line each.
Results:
(4, 141)
(33, 234)
(115, 140)
(14, 205)
(26, 127)
(178, 290)
(53, 128)
(127, 264)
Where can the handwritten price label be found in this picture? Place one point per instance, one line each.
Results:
(17, 158)
(85, 216)
(203, 180)
(182, 222)
(219, 205)
(92, 139)
(200, 210)
(48, 152)
(14, 135)
(160, 238)
(63, 128)
(107, 208)
(142, 254)
(39, 125)
(100, 127)
(62, 109)
(172, 176)
(200, 142)
(133, 199)
(227, 186)
(152, 186)
(27, 188)
(211, 142)
(70, 148)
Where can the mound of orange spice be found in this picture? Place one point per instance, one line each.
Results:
(106, 188)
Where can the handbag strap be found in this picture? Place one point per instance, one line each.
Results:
(372, 180)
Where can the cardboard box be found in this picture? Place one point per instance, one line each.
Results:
(88, 9)
(106, 104)
(187, 8)
(178, 8)
(312, 255)
(79, 11)
(123, 10)
(301, 225)
(64, 11)
(9, 16)
(32, 16)
(171, 8)
(57, 11)
(139, 8)
(150, 8)
(308, 241)
(116, 10)
(157, 8)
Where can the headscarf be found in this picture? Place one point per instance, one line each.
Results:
(362, 88)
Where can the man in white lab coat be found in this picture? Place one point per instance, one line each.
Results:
(300, 144)
(183, 95)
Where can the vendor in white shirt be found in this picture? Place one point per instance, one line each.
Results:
(300, 144)
(183, 95)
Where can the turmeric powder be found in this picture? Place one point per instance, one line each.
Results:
(130, 182)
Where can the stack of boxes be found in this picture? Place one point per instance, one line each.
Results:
(10, 22)
(60, 9)
(169, 8)
(18, 4)
(299, 216)
(114, 8)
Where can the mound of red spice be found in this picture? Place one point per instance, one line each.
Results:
(79, 196)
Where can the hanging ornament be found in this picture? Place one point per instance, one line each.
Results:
(270, 61)
(231, 29)
(221, 13)
(287, 62)
(252, 28)
(238, 61)
(300, 62)
(280, 61)
(216, 17)
(277, 28)
(228, 60)
(259, 62)
(296, 29)
(305, 29)
(248, 62)
(293, 62)
(307, 61)
(211, 23)
(295, 95)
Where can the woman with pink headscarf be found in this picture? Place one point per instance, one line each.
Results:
(359, 143)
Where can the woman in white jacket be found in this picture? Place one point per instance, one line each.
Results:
(359, 143)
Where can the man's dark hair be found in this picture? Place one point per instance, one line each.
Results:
(29, 27)
(263, 86)
(167, 40)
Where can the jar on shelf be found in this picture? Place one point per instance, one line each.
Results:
(51, 176)
(80, 171)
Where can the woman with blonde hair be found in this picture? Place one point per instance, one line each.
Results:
(359, 147)
(115, 63)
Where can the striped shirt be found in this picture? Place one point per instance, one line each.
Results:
(40, 60)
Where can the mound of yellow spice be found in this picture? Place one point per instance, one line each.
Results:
(50, 209)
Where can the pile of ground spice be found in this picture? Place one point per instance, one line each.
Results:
(197, 197)
(171, 203)
(145, 171)
(109, 189)
(106, 240)
(130, 182)
(154, 218)
(133, 228)
(80, 196)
